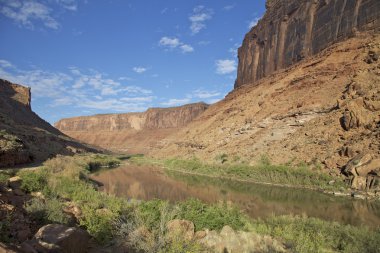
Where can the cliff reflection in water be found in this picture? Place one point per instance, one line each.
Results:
(258, 201)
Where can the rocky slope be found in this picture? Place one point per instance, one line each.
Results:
(324, 111)
(131, 132)
(292, 30)
(24, 136)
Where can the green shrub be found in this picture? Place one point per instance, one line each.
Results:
(305, 234)
(33, 181)
(47, 211)
(214, 216)
(150, 213)
(99, 223)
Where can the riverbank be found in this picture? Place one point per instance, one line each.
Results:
(60, 192)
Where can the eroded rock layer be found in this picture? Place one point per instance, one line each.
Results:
(131, 132)
(292, 30)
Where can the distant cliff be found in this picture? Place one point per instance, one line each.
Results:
(24, 136)
(130, 132)
(293, 29)
(154, 118)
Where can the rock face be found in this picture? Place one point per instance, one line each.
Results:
(324, 110)
(24, 136)
(133, 132)
(153, 118)
(292, 30)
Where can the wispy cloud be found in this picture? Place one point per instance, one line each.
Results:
(225, 66)
(202, 94)
(78, 88)
(25, 13)
(176, 101)
(229, 7)
(253, 22)
(198, 18)
(139, 70)
(71, 5)
(29, 13)
(173, 43)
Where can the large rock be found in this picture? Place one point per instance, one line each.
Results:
(292, 30)
(229, 240)
(355, 115)
(364, 171)
(60, 239)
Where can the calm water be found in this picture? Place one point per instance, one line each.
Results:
(258, 201)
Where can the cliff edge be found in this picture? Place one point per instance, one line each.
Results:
(24, 136)
(292, 30)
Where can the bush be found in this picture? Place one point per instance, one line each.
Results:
(46, 211)
(99, 223)
(214, 216)
(33, 181)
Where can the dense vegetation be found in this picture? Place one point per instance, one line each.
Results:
(64, 182)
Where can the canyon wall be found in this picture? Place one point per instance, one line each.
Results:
(131, 132)
(153, 118)
(24, 136)
(292, 30)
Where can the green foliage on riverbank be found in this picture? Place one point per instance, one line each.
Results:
(263, 172)
(110, 219)
(305, 235)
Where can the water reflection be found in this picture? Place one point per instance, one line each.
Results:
(258, 201)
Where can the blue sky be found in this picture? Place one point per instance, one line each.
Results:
(84, 57)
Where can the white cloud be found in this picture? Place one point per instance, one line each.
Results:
(234, 49)
(5, 64)
(70, 5)
(173, 43)
(176, 101)
(169, 42)
(25, 13)
(253, 22)
(138, 99)
(139, 70)
(186, 48)
(200, 93)
(229, 7)
(198, 18)
(225, 66)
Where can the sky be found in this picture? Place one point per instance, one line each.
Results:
(85, 57)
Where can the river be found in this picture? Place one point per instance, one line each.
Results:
(256, 200)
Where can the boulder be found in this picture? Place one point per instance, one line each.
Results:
(355, 115)
(14, 182)
(229, 240)
(60, 238)
(359, 183)
(181, 227)
(353, 167)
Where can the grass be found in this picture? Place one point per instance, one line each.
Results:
(304, 234)
(263, 172)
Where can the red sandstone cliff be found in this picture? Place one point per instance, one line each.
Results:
(292, 30)
(131, 132)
